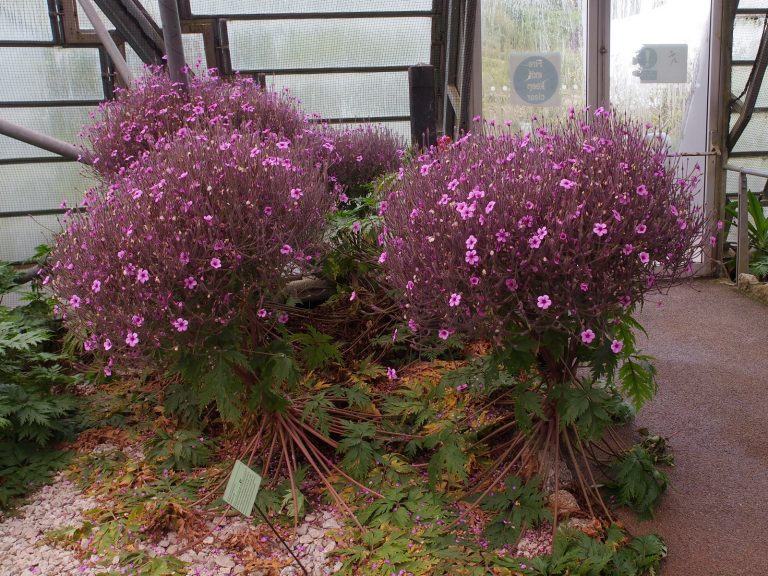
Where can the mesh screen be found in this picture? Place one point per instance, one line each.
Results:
(50, 74)
(290, 44)
(61, 122)
(25, 20)
(19, 236)
(41, 186)
(299, 6)
(751, 148)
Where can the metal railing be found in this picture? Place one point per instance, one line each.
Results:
(742, 238)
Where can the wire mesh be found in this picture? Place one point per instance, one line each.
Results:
(751, 149)
(25, 20)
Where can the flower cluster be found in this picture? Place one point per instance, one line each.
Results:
(363, 154)
(172, 248)
(155, 111)
(562, 229)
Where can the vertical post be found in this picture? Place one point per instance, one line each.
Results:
(597, 26)
(174, 48)
(423, 104)
(742, 243)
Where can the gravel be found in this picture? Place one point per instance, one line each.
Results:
(24, 551)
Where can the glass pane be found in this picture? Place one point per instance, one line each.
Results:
(62, 123)
(402, 129)
(755, 135)
(289, 44)
(41, 186)
(194, 51)
(25, 20)
(50, 74)
(85, 24)
(338, 95)
(289, 6)
(513, 31)
(754, 183)
(753, 4)
(747, 30)
(19, 236)
(739, 76)
(660, 66)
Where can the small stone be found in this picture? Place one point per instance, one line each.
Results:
(302, 529)
(564, 501)
(208, 540)
(315, 533)
(224, 561)
(239, 569)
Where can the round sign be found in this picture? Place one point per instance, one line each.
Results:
(536, 80)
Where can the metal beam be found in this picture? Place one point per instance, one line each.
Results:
(174, 48)
(121, 66)
(43, 141)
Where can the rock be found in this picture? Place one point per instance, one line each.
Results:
(745, 281)
(750, 285)
(315, 533)
(208, 540)
(224, 561)
(302, 529)
(564, 501)
(239, 569)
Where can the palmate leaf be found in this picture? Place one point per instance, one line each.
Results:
(20, 338)
(637, 483)
(519, 506)
(318, 350)
(316, 413)
(637, 379)
(359, 449)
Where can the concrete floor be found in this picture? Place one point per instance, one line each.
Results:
(711, 346)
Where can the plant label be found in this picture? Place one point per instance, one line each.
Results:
(242, 488)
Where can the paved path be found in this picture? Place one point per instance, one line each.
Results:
(711, 346)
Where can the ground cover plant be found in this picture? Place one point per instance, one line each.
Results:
(36, 411)
(473, 328)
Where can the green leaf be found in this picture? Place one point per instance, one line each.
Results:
(637, 379)
(318, 349)
(358, 448)
(637, 482)
(519, 506)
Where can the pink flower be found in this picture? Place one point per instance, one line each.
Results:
(142, 276)
(107, 344)
(353, 296)
(132, 339)
(268, 210)
(640, 228)
(283, 144)
(296, 193)
(180, 324)
(642, 190)
(190, 283)
(511, 284)
(262, 313)
(356, 227)
(617, 346)
(215, 263)
(600, 229)
(391, 373)
(587, 336)
(282, 317)
(471, 257)
(184, 258)
(567, 184)
(412, 326)
(628, 249)
(584, 286)
(382, 258)
(490, 206)
(137, 320)
(471, 242)
(474, 281)
(74, 301)
(644, 257)
(543, 302)
(96, 286)
(454, 300)
(443, 334)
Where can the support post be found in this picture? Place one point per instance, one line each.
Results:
(43, 141)
(423, 105)
(174, 48)
(121, 66)
(742, 243)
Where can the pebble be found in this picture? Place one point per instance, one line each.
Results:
(23, 551)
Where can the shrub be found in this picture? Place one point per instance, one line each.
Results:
(558, 231)
(545, 244)
(207, 231)
(363, 154)
(155, 111)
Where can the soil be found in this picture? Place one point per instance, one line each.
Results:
(711, 346)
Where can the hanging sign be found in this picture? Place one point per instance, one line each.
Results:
(661, 64)
(242, 488)
(535, 79)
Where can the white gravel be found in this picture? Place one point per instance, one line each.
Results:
(23, 551)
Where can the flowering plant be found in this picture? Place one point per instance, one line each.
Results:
(544, 244)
